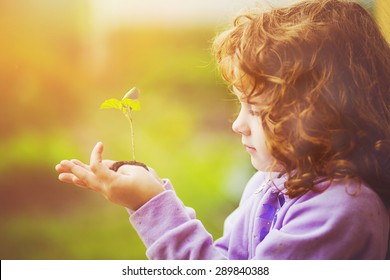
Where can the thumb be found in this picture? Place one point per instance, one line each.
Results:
(97, 166)
(96, 154)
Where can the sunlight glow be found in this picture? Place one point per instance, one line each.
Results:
(171, 12)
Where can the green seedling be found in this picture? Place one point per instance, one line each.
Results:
(128, 104)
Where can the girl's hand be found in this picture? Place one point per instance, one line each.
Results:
(131, 186)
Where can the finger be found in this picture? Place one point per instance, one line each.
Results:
(59, 168)
(95, 162)
(62, 167)
(96, 155)
(87, 178)
(79, 183)
(80, 163)
(70, 178)
(98, 167)
(66, 177)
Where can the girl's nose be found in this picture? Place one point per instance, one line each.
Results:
(240, 126)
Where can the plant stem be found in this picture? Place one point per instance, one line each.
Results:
(130, 119)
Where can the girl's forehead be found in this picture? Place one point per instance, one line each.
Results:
(257, 100)
(237, 92)
(242, 85)
(240, 96)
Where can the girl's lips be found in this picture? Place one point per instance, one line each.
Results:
(250, 149)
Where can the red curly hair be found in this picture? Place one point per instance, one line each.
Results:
(322, 72)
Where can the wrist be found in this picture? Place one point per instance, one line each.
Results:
(147, 194)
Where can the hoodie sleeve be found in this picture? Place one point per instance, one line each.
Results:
(170, 230)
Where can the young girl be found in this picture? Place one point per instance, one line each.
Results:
(313, 83)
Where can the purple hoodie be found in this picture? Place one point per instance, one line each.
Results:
(342, 221)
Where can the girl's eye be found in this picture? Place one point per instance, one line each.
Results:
(254, 112)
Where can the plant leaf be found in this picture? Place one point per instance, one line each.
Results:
(112, 103)
(133, 104)
(132, 94)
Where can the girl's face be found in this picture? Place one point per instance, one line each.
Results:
(248, 125)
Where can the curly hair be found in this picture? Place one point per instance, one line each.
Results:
(322, 72)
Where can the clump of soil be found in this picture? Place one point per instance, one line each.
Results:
(118, 164)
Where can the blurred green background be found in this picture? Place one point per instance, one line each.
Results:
(59, 60)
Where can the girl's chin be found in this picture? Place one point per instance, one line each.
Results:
(259, 166)
(263, 165)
